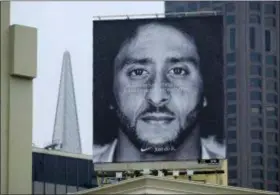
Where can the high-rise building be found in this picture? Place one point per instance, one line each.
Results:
(251, 56)
(66, 134)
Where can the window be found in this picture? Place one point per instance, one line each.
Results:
(269, 22)
(273, 187)
(256, 70)
(231, 70)
(230, 7)
(231, 122)
(232, 161)
(254, 6)
(204, 4)
(267, 40)
(272, 124)
(272, 163)
(269, 9)
(271, 98)
(231, 83)
(231, 57)
(231, 96)
(272, 137)
(256, 96)
(271, 73)
(232, 174)
(256, 122)
(271, 85)
(252, 34)
(257, 185)
(231, 148)
(230, 19)
(71, 171)
(271, 111)
(180, 9)
(255, 19)
(272, 175)
(272, 150)
(257, 174)
(256, 109)
(255, 57)
(270, 60)
(255, 83)
(231, 134)
(255, 134)
(232, 38)
(232, 183)
(256, 147)
(231, 109)
(256, 160)
(192, 6)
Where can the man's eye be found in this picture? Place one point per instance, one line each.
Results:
(179, 71)
(137, 72)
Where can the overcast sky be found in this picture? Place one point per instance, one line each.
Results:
(67, 25)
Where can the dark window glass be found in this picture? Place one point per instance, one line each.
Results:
(232, 183)
(232, 161)
(61, 171)
(231, 96)
(71, 171)
(270, 60)
(38, 164)
(255, 57)
(272, 137)
(252, 38)
(258, 185)
(204, 4)
(232, 174)
(192, 6)
(272, 175)
(217, 8)
(272, 150)
(267, 40)
(232, 38)
(256, 95)
(257, 174)
(231, 57)
(230, 7)
(231, 148)
(256, 122)
(230, 19)
(271, 85)
(254, 6)
(256, 109)
(256, 70)
(273, 187)
(231, 122)
(256, 160)
(231, 83)
(50, 167)
(231, 70)
(270, 22)
(269, 9)
(180, 9)
(255, 134)
(272, 124)
(271, 73)
(84, 173)
(271, 98)
(255, 19)
(231, 109)
(256, 147)
(255, 83)
(272, 163)
(231, 135)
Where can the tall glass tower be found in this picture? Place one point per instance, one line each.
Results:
(66, 134)
(251, 53)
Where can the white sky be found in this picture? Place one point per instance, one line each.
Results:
(67, 25)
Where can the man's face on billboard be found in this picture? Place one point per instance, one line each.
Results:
(157, 84)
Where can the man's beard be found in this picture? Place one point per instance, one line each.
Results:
(169, 146)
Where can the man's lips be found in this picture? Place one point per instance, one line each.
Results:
(157, 118)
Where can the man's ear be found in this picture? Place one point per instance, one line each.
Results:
(205, 102)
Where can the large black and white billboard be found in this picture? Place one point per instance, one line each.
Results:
(158, 89)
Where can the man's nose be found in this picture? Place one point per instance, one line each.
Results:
(158, 94)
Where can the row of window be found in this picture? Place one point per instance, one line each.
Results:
(255, 109)
(272, 163)
(256, 174)
(268, 8)
(255, 147)
(256, 122)
(255, 70)
(271, 137)
(254, 83)
(255, 57)
(255, 96)
(253, 39)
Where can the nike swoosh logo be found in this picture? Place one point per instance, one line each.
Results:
(145, 149)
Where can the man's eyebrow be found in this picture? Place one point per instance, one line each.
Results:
(191, 59)
(131, 60)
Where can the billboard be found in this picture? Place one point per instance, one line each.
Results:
(158, 89)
